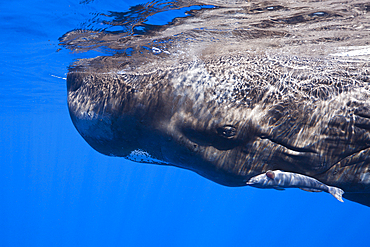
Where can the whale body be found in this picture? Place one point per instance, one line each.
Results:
(229, 103)
(232, 118)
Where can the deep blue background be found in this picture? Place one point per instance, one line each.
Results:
(55, 190)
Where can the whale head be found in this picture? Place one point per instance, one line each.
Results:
(230, 99)
(228, 118)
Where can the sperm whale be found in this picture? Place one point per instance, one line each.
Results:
(231, 100)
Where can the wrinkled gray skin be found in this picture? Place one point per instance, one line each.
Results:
(232, 118)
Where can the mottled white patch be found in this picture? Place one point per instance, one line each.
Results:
(142, 156)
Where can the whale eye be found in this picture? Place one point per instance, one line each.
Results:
(222, 138)
(227, 131)
(270, 174)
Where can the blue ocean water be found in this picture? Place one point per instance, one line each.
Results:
(57, 191)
